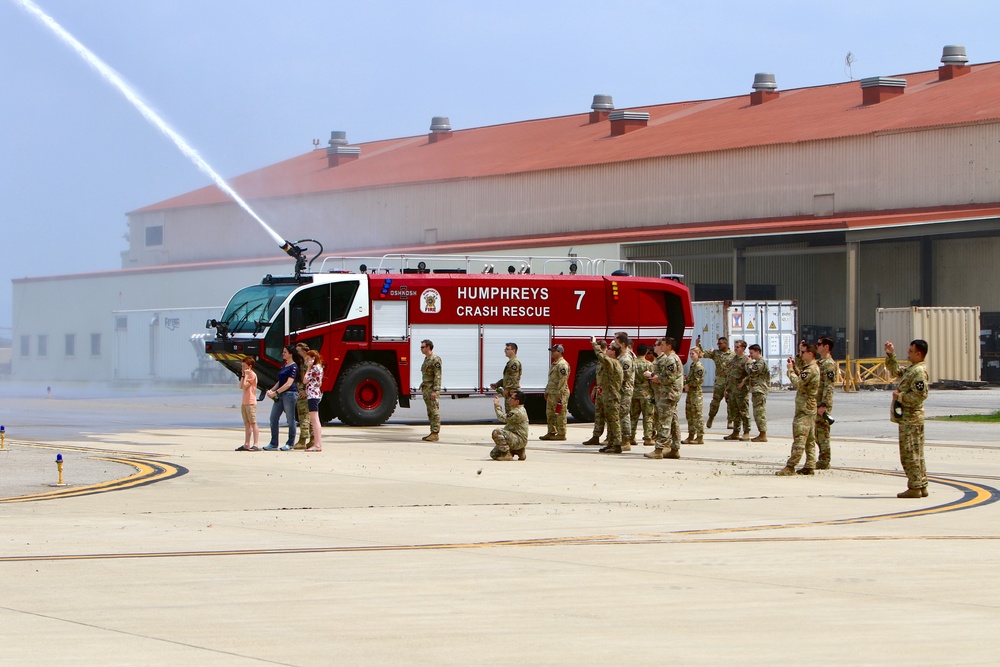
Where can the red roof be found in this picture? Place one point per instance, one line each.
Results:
(804, 114)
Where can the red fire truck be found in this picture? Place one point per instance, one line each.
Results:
(368, 324)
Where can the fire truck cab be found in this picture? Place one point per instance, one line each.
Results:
(368, 324)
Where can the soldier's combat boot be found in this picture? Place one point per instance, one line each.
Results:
(655, 454)
(611, 449)
(805, 471)
(672, 454)
(708, 424)
(504, 456)
(923, 492)
(431, 437)
(688, 440)
(626, 447)
(787, 471)
(547, 436)
(735, 435)
(745, 437)
(558, 437)
(520, 454)
(823, 464)
(700, 440)
(593, 442)
(760, 438)
(648, 442)
(911, 493)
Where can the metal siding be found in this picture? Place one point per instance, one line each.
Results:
(890, 278)
(459, 349)
(533, 344)
(965, 271)
(952, 336)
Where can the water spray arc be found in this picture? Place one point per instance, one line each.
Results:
(112, 77)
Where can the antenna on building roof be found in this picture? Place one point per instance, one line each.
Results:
(849, 60)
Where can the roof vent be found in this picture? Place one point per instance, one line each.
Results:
(602, 106)
(765, 88)
(954, 62)
(339, 152)
(440, 129)
(623, 122)
(877, 89)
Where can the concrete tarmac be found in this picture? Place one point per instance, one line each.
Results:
(166, 546)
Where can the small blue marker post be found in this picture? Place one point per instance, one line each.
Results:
(3, 437)
(59, 462)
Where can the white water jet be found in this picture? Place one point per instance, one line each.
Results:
(112, 77)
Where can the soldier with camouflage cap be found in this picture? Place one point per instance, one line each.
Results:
(908, 412)
(626, 359)
(758, 381)
(610, 393)
(827, 380)
(693, 404)
(737, 396)
(667, 378)
(600, 418)
(511, 380)
(512, 439)
(642, 399)
(806, 383)
(557, 395)
(430, 387)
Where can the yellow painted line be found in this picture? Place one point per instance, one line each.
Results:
(148, 471)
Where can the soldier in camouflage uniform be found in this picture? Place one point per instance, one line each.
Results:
(600, 419)
(512, 439)
(557, 395)
(667, 378)
(908, 411)
(626, 359)
(806, 383)
(758, 381)
(737, 395)
(827, 380)
(722, 358)
(642, 400)
(430, 386)
(301, 403)
(610, 393)
(511, 381)
(693, 404)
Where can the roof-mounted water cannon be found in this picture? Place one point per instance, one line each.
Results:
(299, 253)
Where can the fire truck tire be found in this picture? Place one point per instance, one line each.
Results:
(580, 405)
(328, 407)
(367, 394)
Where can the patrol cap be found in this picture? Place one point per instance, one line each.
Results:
(557, 348)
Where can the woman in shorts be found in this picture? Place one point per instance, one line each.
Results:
(314, 393)
(248, 383)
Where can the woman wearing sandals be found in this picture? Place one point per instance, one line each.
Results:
(314, 392)
(248, 383)
(284, 394)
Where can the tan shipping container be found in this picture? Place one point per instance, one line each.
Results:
(952, 335)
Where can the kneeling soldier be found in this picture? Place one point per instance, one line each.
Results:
(512, 439)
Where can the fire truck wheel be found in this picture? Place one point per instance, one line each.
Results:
(328, 407)
(580, 405)
(368, 394)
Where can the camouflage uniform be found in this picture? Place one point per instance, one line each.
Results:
(642, 403)
(611, 395)
(627, 363)
(739, 399)
(600, 419)
(759, 383)
(556, 398)
(693, 404)
(912, 394)
(302, 416)
(722, 361)
(670, 371)
(511, 381)
(430, 372)
(806, 383)
(821, 434)
(513, 437)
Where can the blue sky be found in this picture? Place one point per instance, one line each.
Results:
(252, 82)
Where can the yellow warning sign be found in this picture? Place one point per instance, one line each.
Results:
(750, 325)
(772, 325)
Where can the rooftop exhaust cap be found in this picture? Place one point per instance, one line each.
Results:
(765, 88)
(953, 54)
(623, 122)
(877, 89)
(338, 138)
(440, 124)
(602, 106)
(339, 152)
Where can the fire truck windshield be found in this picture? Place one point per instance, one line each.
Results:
(253, 304)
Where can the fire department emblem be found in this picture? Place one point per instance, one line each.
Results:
(430, 301)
